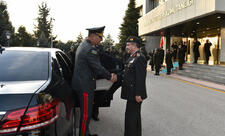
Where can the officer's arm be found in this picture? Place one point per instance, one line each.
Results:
(140, 73)
(94, 62)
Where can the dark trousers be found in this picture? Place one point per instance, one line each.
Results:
(133, 119)
(180, 65)
(152, 67)
(195, 58)
(168, 70)
(86, 105)
(157, 71)
(207, 59)
(95, 111)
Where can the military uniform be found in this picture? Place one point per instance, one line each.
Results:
(133, 84)
(169, 63)
(175, 48)
(181, 56)
(151, 62)
(87, 67)
(207, 51)
(196, 51)
(157, 61)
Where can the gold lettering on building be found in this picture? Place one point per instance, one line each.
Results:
(173, 10)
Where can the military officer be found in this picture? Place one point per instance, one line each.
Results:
(157, 61)
(169, 63)
(87, 67)
(207, 46)
(196, 50)
(134, 86)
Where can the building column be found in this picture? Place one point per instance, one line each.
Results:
(222, 51)
(152, 42)
(168, 42)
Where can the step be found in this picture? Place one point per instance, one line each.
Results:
(202, 66)
(219, 80)
(205, 72)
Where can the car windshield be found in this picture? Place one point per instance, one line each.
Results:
(23, 65)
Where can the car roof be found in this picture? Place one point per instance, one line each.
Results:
(36, 49)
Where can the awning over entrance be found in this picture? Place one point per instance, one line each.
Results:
(203, 27)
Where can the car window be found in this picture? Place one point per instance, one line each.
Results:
(23, 65)
(55, 67)
(65, 69)
(67, 60)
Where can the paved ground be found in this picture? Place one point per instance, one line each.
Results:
(173, 108)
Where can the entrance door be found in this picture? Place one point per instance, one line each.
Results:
(214, 49)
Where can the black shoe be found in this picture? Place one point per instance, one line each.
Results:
(95, 118)
(93, 135)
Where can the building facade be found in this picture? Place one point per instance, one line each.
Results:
(184, 21)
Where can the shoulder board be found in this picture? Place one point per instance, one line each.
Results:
(138, 54)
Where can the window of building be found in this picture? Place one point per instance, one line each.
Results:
(155, 3)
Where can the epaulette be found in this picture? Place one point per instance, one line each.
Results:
(138, 54)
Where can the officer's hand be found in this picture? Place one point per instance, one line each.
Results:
(138, 99)
(113, 78)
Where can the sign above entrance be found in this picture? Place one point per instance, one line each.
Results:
(182, 5)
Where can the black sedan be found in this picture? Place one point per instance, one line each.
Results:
(35, 93)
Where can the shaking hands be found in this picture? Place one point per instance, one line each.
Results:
(113, 78)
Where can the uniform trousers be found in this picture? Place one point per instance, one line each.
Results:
(168, 70)
(133, 119)
(206, 59)
(86, 107)
(95, 111)
(195, 58)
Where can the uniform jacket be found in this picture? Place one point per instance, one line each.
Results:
(161, 52)
(175, 48)
(134, 77)
(151, 58)
(87, 68)
(169, 62)
(181, 54)
(157, 60)
(196, 48)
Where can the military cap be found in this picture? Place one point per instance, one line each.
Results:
(96, 30)
(134, 39)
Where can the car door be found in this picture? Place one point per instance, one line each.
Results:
(103, 96)
(66, 92)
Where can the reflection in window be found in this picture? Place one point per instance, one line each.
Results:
(23, 66)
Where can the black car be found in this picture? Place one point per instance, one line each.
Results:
(35, 93)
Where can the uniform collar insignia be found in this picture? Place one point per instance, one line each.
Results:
(135, 54)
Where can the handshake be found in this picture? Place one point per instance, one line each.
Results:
(113, 78)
